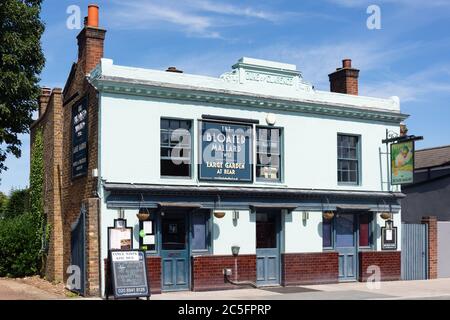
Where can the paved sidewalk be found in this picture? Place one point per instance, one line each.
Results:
(423, 289)
(439, 289)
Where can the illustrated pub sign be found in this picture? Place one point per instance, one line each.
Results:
(225, 151)
(402, 162)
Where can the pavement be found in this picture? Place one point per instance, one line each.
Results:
(438, 289)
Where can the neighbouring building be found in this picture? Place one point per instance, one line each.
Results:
(428, 195)
(254, 171)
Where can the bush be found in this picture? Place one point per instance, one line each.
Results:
(17, 204)
(20, 246)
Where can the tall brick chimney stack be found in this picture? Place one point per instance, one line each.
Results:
(90, 41)
(345, 79)
(44, 98)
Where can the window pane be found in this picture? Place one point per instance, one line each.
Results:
(364, 230)
(173, 233)
(199, 230)
(175, 148)
(326, 233)
(345, 230)
(348, 166)
(268, 153)
(266, 230)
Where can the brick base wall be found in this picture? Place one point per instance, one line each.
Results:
(153, 274)
(207, 271)
(309, 268)
(388, 261)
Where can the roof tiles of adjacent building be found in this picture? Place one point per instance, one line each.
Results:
(432, 157)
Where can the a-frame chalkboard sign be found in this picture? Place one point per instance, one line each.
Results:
(128, 275)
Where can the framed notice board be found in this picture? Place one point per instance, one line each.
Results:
(128, 274)
(389, 236)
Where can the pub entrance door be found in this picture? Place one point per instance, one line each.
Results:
(268, 247)
(174, 251)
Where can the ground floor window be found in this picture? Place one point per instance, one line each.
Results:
(343, 230)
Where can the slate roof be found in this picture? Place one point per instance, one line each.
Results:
(432, 157)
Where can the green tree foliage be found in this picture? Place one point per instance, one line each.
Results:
(19, 246)
(3, 201)
(21, 62)
(18, 203)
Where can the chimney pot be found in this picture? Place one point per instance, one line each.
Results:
(92, 20)
(173, 69)
(347, 63)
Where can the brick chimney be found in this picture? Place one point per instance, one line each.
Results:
(90, 41)
(44, 98)
(345, 79)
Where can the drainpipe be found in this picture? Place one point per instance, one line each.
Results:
(227, 272)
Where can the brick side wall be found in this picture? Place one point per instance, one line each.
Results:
(431, 222)
(309, 268)
(389, 263)
(50, 123)
(207, 271)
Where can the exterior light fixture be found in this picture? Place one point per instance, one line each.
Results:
(219, 214)
(305, 216)
(235, 250)
(235, 215)
(328, 215)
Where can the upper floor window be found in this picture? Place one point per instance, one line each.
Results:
(268, 154)
(348, 159)
(176, 147)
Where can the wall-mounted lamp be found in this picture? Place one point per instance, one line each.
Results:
(235, 250)
(235, 215)
(305, 216)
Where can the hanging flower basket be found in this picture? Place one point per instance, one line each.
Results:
(328, 215)
(385, 215)
(143, 214)
(219, 214)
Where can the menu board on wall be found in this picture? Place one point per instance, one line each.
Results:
(79, 139)
(225, 151)
(389, 236)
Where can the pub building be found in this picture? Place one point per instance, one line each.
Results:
(254, 176)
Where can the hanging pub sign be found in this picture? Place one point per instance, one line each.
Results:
(128, 274)
(79, 139)
(402, 162)
(389, 236)
(225, 151)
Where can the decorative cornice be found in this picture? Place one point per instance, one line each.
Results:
(159, 90)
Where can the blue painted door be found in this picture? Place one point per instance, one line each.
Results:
(267, 248)
(346, 246)
(77, 244)
(174, 251)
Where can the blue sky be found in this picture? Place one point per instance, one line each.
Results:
(408, 57)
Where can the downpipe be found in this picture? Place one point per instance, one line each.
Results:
(227, 274)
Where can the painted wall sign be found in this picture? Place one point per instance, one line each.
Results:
(225, 151)
(128, 274)
(79, 139)
(402, 162)
(389, 236)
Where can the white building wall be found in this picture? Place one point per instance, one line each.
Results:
(300, 236)
(227, 233)
(130, 143)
